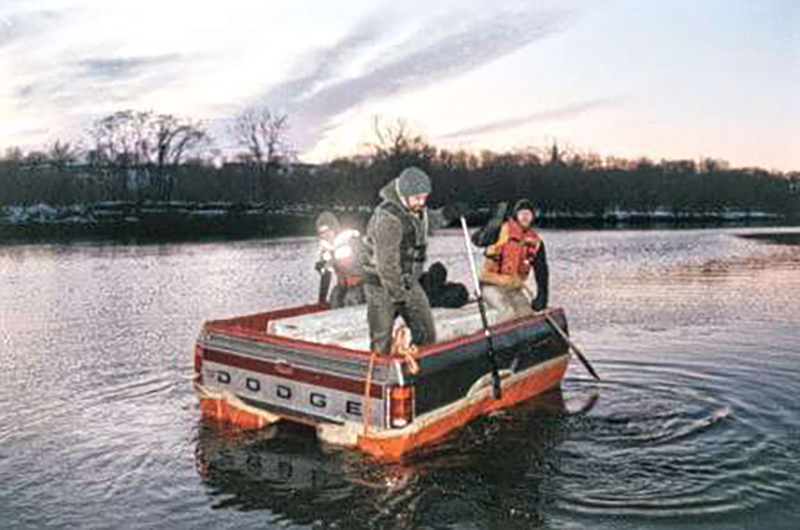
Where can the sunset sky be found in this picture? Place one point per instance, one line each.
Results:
(677, 79)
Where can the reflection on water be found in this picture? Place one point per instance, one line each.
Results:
(695, 424)
(284, 471)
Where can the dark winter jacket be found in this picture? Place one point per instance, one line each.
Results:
(395, 245)
(442, 293)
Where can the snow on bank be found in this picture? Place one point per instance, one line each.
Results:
(102, 212)
(44, 213)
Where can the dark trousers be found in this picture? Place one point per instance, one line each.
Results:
(346, 295)
(382, 312)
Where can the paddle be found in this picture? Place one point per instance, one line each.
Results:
(571, 344)
(490, 353)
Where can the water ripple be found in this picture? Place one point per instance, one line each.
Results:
(695, 425)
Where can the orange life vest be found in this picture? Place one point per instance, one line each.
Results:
(508, 261)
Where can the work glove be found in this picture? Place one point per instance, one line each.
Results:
(447, 215)
(487, 235)
(452, 212)
(539, 303)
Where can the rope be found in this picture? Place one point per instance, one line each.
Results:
(402, 347)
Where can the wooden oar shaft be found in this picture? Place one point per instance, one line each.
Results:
(571, 344)
(490, 353)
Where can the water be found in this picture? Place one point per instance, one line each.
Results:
(695, 425)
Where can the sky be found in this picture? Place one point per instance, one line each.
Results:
(684, 79)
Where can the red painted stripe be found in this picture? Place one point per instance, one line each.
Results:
(344, 384)
(253, 327)
(479, 336)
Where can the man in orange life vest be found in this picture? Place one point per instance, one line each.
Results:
(339, 253)
(513, 248)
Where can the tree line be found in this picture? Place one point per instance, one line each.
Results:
(143, 156)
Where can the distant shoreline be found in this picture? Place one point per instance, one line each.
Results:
(780, 238)
(194, 220)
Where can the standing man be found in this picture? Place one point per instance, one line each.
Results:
(396, 245)
(513, 248)
(339, 253)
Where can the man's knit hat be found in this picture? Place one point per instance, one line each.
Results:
(325, 221)
(524, 204)
(413, 181)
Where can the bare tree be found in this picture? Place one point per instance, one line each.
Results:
(63, 154)
(129, 140)
(15, 155)
(117, 139)
(175, 139)
(262, 135)
(398, 146)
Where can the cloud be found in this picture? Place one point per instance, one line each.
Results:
(52, 69)
(321, 66)
(65, 73)
(122, 67)
(97, 80)
(19, 26)
(25, 92)
(438, 51)
(390, 52)
(562, 113)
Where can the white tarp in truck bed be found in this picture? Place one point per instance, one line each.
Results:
(347, 327)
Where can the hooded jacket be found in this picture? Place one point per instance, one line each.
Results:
(395, 245)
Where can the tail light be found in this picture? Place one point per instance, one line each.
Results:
(198, 360)
(401, 406)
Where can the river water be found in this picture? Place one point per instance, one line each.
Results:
(696, 423)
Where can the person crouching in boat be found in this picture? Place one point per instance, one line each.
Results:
(395, 248)
(339, 253)
(513, 248)
(440, 292)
